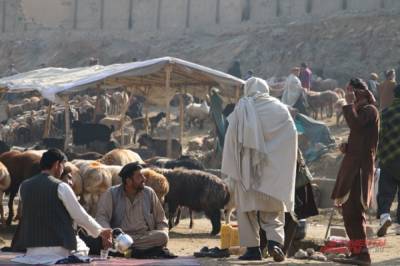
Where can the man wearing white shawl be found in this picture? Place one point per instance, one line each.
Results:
(293, 92)
(260, 153)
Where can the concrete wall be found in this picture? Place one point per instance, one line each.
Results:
(168, 15)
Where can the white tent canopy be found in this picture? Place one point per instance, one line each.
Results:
(159, 79)
(54, 83)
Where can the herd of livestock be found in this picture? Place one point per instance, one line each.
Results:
(179, 181)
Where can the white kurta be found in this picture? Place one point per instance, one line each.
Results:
(50, 255)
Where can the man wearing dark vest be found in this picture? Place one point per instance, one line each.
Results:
(49, 211)
(136, 209)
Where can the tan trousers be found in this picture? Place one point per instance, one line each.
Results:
(272, 222)
(155, 238)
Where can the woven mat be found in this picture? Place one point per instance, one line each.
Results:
(5, 258)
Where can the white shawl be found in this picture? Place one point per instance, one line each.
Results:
(261, 144)
(292, 90)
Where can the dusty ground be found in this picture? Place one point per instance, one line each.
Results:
(185, 241)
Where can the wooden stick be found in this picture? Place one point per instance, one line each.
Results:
(67, 122)
(168, 71)
(181, 118)
(97, 107)
(146, 110)
(123, 114)
(47, 126)
(237, 93)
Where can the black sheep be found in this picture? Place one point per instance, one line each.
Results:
(197, 190)
(139, 123)
(159, 146)
(85, 133)
(4, 147)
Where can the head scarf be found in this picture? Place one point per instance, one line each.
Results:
(255, 86)
(361, 90)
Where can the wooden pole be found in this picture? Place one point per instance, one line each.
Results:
(146, 111)
(181, 118)
(123, 114)
(237, 93)
(168, 71)
(97, 107)
(67, 123)
(47, 126)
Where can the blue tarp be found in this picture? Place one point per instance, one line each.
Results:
(316, 132)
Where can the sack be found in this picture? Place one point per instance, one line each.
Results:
(375, 189)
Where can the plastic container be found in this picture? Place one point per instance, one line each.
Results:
(234, 237)
(225, 236)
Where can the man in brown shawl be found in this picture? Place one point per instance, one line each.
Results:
(352, 191)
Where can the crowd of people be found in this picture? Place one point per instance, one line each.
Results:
(261, 158)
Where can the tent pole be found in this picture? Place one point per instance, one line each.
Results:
(123, 114)
(168, 71)
(47, 126)
(67, 123)
(181, 118)
(237, 93)
(97, 107)
(146, 110)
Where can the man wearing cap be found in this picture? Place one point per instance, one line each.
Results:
(294, 93)
(49, 211)
(386, 89)
(353, 188)
(305, 76)
(136, 209)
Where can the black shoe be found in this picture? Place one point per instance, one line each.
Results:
(277, 253)
(219, 253)
(359, 259)
(252, 253)
(202, 253)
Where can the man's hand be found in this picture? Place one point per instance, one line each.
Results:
(106, 237)
(350, 96)
(343, 148)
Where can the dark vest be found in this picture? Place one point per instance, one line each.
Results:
(45, 222)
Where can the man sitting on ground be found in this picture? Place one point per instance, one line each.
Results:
(49, 209)
(135, 209)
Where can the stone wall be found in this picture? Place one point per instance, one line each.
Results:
(168, 15)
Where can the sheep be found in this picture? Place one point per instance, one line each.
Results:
(97, 178)
(160, 145)
(72, 176)
(157, 182)
(197, 112)
(231, 205)
(319, 100)
(140, 123)
(20, 165)
(83, 156)
(120, 157)
(197, 190)
(183, 161)
(5, 181)
(154, 120)
(339, 110)
(340, 92)
(4, 147)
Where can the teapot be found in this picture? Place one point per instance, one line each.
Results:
(122, 242)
